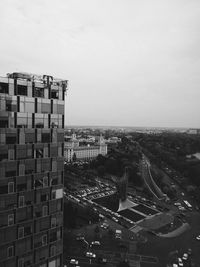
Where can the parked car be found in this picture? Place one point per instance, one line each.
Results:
(90, 255)
(180, 262)
(198, 237)
(185, 256)
(73, 261)
(97, 243)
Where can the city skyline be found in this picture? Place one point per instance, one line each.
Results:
(130, 63)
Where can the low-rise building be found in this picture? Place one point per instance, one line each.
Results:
(73, 151)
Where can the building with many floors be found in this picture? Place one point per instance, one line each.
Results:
(31, 170)
(73, 151)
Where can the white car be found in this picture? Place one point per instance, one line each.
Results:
(180, 262)
(90, 254)
(97, 243)
(185, 256)
(73, 261)
(198, 237)
(175, 265)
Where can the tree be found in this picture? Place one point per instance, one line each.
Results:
(101, 170)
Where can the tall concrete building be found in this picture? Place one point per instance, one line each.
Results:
(31, 170)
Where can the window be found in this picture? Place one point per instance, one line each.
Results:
(10, 187)
(21, 232)
(44, 197)
(21, 262)
(46, 138)
(11, 104)
(44, 211)
(10, 219)
(11, 154)
(45, 181)
(44, 240)
(39, 152)
(4, 122)
(11, 138)
(3, 152)
(53, 222)
(21, 89)
(52, 251)
(4, 88)
(39, 92)
(54, 94)
(21, 201)
(10, 251)
(53, 194)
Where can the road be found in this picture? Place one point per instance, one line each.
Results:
(146, 175)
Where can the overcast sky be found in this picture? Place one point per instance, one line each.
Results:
(128, 62)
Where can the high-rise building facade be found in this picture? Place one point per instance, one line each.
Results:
(31, 170)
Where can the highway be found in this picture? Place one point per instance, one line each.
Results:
(147, 177)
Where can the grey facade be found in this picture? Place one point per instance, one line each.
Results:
(31, 170)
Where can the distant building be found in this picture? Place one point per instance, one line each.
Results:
(113, 140)
(193, 131)
(73, 151)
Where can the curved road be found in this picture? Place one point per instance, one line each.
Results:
(152, 186)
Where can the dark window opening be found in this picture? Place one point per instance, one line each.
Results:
(46, 138)
(44, 211)
(21, 187)
(11, 139)
(21, 201)
(10, 187)
(4, 123)
(39, 153)
(44, 240)
(53, 251)
(21, 90)
(54, 94)
(3, 189)
(39, 125)
(39, 92)
(27, 230)
(10, 173)
(10, 251)
(44, 197)
(21, 232)
(53, 237)
(10, 219)
(4, 88)
(38, 183)
(3, 156)
(54, 181)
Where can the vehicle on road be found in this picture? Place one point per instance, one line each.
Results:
(73, 261)
(198, 237)
(97, 243)
(180, 262)
(90, 254)
(185, 256)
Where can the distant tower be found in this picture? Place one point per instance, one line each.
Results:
(102, 146)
